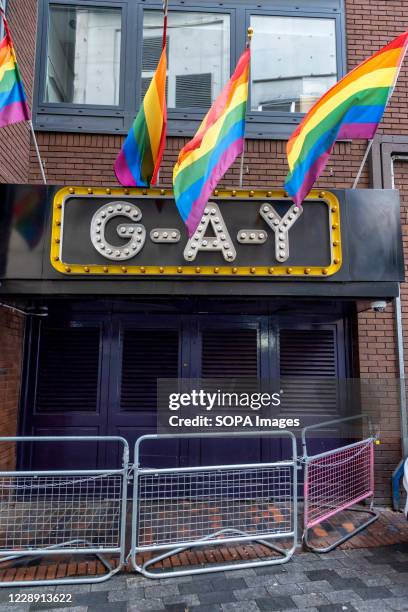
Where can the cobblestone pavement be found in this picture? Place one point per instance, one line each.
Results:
(348, 580)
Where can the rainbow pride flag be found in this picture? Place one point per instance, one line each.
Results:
(352, 108)
(219, 140)
(139, 160)
(13, 104)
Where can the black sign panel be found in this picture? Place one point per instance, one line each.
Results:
(125, 233)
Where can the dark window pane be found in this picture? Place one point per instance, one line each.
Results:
(83, 55)
(293, 62)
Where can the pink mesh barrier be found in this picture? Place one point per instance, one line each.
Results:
(337, 480)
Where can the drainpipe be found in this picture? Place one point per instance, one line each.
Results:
(401, 370)
(400, 343)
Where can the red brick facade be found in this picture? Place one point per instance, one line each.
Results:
(88, 158)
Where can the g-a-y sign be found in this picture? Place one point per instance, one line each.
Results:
(134, 231)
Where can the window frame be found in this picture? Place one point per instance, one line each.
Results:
(1, 21)
(69, 117)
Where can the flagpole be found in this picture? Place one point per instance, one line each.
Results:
(370, 142)
(360, 170)
(37, 150)
(165, 12)
(164, 42)
(241, 170)
(8, 34)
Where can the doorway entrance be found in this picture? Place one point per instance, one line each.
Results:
(95, 373)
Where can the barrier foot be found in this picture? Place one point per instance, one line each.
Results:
(374, 515)
(216, 567)
(111, 571)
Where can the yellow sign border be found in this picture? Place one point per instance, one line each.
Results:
(240, 194)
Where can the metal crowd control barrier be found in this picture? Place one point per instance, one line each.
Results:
(337, 480)
(54, 512)
(175, 509)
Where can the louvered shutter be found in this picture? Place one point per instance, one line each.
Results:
(309, 372)
(148, 354)
(68, 369)
(152, 48)
(193, 90)
(145, 85)
(229, 353)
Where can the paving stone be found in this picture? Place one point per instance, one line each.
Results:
(176, 607)
(337, 608)
(207, 608)
(161, 590)
(117, 606)
(399, 589)
(275, 603)
(284, 589)
(250, 571)
(118, 582)
(267, 579)
(375, 605)
(14, 607)
(250, 593)
(344, 596)
(126, 594)
(290, 578)
(137, 581)
(223, 584)
(397, 603)
(270, 569)
(72, 588)
(307, 600)
(217, 597)
(398, 578)
(195, 586)
(318, 586)
(188, 600)
(170, 580)
(377, 580)
(143, 605)
(400, 567)
(373, 592)
(238, 606)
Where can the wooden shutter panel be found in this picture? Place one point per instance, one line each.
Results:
(148, 354)
(229, 353)
(193, 90)
(309, 372)
(68, 369)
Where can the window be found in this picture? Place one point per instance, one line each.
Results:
(293, 62)
(83, 55)
(198, 55)
(96, 58)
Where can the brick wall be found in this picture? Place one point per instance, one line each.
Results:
(15, 139)
(11, 342)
